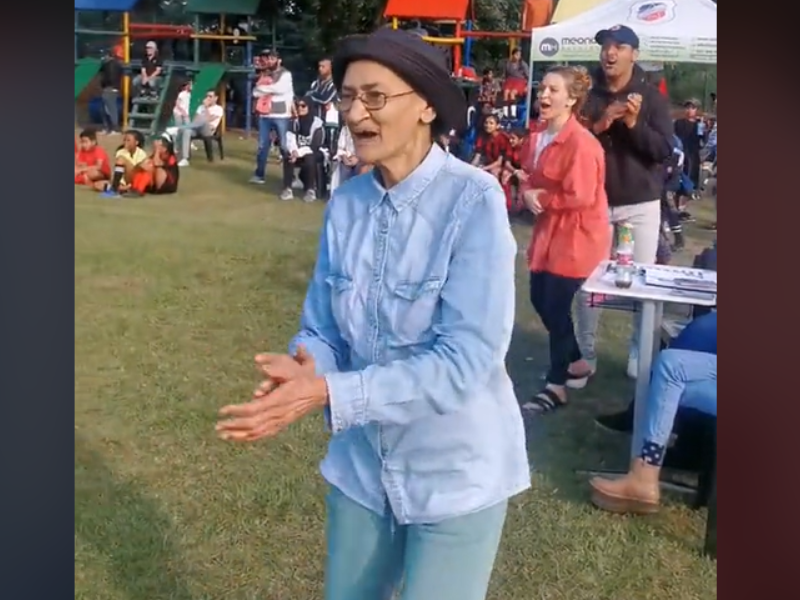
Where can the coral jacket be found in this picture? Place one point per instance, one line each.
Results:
(572, 234)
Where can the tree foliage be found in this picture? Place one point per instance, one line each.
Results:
(309, 29)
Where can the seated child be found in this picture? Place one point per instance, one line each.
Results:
(491, 147)
(159, 173)
(512, 167)
(91, 161)
(127, 160)
(345, 161)
(489, 89)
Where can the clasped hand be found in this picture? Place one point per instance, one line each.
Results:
(291, 389)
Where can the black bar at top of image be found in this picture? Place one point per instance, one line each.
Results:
(37, 225)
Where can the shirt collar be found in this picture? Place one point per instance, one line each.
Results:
(410, 188)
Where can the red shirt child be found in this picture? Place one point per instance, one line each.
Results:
(91, 161)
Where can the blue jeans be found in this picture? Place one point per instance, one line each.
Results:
(680, 378)
(265, 125)
(370, 555)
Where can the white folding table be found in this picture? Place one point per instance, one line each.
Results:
(652, 299)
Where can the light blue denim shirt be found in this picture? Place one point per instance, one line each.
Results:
(409, 316)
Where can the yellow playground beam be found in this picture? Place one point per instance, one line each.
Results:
(395, 23)
(221, 88)
(443, 41)
(126, 58)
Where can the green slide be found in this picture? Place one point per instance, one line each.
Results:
(207, 79)
(85, 70)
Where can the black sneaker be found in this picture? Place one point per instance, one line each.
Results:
(686, 217)
(621, 422)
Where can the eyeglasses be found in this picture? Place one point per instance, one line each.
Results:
(371, 100)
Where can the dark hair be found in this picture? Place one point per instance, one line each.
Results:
(487, 71)
(89, 134)
(168, 144)
(137, 135)
(518, 131)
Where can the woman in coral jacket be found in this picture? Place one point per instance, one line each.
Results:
(564, 185)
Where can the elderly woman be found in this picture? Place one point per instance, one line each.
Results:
(403, 339)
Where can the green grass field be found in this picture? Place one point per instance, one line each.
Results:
(174, 296)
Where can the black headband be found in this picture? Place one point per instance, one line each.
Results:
(420, 64)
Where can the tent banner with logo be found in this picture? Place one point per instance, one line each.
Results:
(680, 31)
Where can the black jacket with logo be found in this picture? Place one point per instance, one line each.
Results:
(635, 158)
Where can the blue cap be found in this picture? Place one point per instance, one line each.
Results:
(619, 34)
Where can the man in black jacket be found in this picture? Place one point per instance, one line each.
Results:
(111, 73)
(322, 90)
(631, 120)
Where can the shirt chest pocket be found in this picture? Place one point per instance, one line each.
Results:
(412, 308)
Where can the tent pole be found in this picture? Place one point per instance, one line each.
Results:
(529, 99)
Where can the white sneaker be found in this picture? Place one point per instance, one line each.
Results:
(287, 194)
(257, 180)
(183, 163)
(310, 196)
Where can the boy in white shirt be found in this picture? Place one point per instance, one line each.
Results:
(180, 113)
(205, 123)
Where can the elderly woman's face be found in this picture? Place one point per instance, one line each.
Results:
(384, 115)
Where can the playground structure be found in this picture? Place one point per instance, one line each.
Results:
(460, 14)
(146, 113)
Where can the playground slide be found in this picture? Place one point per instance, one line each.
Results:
(207, 79)
(85, 71)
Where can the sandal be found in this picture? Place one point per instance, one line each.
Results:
(545, 401)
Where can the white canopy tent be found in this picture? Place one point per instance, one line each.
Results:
(682, 31)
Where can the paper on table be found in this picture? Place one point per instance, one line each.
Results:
(682, 278)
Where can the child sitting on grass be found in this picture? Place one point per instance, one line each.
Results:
(159, 174)
(127, 161)
(91, 161)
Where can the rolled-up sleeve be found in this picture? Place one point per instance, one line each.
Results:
(473, 332)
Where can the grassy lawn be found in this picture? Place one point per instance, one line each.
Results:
(173, 298)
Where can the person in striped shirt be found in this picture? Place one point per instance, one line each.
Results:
(322, 91)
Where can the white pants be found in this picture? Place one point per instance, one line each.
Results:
(645, 219)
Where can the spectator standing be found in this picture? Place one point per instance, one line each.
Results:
(279, 112)
(631, 119)
(111, 73)
(322, 92)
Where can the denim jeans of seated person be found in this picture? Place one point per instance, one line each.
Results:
(371, 557)
(681, 378)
